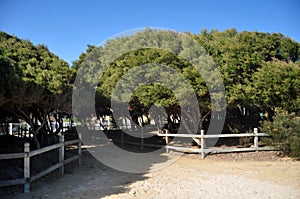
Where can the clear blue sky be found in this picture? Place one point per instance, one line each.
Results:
(66, 27)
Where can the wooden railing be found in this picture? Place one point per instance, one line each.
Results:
(203, 150)
(200, 139)
(27, 154)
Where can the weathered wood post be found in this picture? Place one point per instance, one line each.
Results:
(202, 144)
(27, 168)
(167, 140)
(79, 149)
(10, 128)
(62, 153)
(255, 138)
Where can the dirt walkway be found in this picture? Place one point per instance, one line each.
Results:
(188, 177)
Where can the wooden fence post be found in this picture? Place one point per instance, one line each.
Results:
(167, 140)
(79, 149)
(255, 138)
(62, 153)
(202, 144)
(10, 128)
(27, 168)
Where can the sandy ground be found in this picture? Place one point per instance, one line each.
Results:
(217, 176)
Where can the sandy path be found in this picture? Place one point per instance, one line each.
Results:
(188, 177)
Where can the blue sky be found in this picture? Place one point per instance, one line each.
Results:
(66, 27)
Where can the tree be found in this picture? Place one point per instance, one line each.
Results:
(276, 85)
(242, 58)
(35, 86)
(239, 55)
(121, 55)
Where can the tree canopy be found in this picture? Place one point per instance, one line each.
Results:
(158, 48)
(258, 70)
(243, 58)
(35, 83)
(276, 84)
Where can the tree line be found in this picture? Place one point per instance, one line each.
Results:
(259, 70)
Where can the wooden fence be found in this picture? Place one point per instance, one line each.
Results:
(203, 150)
(27, 154)
(200, 140)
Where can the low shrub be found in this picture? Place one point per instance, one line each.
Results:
(284, 133)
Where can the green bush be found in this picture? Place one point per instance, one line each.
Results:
(284, 132)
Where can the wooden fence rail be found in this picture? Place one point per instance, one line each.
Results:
(203, 150)
(200, 140)
(27, 154)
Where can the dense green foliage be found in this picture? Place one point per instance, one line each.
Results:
(35, 84)
(260, 72)
(240, 56)
(284, 132)
(276, 84)
(169, 50)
